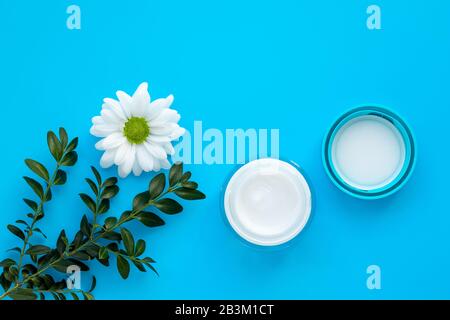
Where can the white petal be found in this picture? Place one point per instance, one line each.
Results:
(112, 141)
(98, 120)
(155, 150)
(144, 158)
(111, 117)
(157, 165)
(178, 132)
(103, 130)
(125, 101)
(163, 130)
(165, 164)
(155, 108)
(139, 109)
(115, 106)
(169, 148)
(122, 153)
(137, 170)
(169, 99)
(141, 94)
(158, 139)
(140, 101)
(167, 115)
(170, 130)
(107, 159)
(127, 165)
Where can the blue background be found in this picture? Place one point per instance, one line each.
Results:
(293, 65)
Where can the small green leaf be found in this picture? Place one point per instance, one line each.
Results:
(63, 137)
(37, 168)
(36, 186)
(30, 268)
(125, 215)
(148, 261)
(32, 204)
(103, 253)
(139, 265)
(93, 284)
(23, 294)
(74, 296)
(141, 201)
(6, 284)
(72, 145)
(92, 249)
(189, 185)
(169, 206)
(22, 222)
(13, 271)
(112, 235)
(140, 248)
(17, 249)
(186, 176)
(189, 194)
(38, 249)
(110, 222)
(7, 263)
(157, 185)
(54, 145)
(110, 192)
(61, 244)
(39, 231)
(9, 276)
(88, 202)
(113, 247)
(81, 255)
(109, 182)
(16, 231)
(123, 266)
(47, 258)
(87, 296)
(175, 173)
(128, 241)
(69, 159)
(104, 206)
(92, 185)
(150, 219)
(104, 262)
(85, 227)
(78, 239)
(48, 195)
(60, 178)
(97, 175)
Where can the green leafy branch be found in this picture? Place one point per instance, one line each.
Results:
(99, 238)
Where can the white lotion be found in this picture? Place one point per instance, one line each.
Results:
(267, 202)
(368, 152)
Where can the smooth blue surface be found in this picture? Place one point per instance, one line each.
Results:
(293, 65)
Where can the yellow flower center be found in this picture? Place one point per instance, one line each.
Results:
(136, 130)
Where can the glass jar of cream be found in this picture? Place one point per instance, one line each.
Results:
(267, 202)
(369, 152)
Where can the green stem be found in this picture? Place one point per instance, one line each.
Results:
(37, 214)
(94, 221)
(6, 293)
(91, 241)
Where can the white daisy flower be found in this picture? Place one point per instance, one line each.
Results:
(137, 134)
